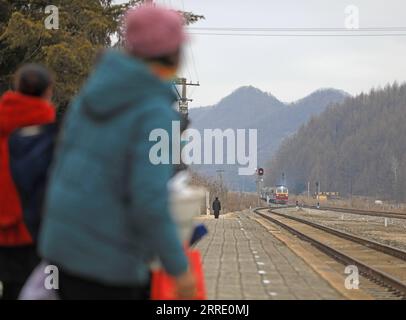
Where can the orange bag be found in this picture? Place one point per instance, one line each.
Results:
(163, 285)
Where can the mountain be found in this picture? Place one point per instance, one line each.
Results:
(251, 108)
(356, 148)
(243, 101)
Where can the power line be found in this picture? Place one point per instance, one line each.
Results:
(193, 59)
(187, 69)
(298, 34)
(194, 62)
(191, 49)
(249, 29)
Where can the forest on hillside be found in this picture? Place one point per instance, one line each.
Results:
(356, 148)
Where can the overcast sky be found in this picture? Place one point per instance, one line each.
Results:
(291, 67)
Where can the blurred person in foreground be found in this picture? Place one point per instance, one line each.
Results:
(107, 209)
(25, 108)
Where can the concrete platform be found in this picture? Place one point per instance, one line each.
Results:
(242, 260)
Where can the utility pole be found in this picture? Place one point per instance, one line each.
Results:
(183, 99)
(258, 191)
(259, 181)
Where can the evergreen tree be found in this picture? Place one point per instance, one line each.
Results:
(85, 27)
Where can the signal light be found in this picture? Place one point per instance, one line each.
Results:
(260, 171)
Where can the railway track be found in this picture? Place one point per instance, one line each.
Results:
(383, 264)
(384, 214)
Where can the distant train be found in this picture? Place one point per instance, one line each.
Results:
(278, 194)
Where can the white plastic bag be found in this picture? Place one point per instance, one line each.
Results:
(34, 288)
(185, 202)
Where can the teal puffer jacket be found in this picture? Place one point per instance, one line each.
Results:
(107, 208)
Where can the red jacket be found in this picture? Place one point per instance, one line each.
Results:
(16, 111)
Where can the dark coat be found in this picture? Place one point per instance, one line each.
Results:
(30, 159)
(216, 205)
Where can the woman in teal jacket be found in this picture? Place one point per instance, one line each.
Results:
(107, 209)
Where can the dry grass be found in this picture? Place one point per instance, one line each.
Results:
(237, 201)
(230, 201)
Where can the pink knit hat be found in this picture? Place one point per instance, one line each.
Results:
(152, 31)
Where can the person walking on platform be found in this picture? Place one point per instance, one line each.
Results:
(27, 107)
(107, 212)
(216, 208)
